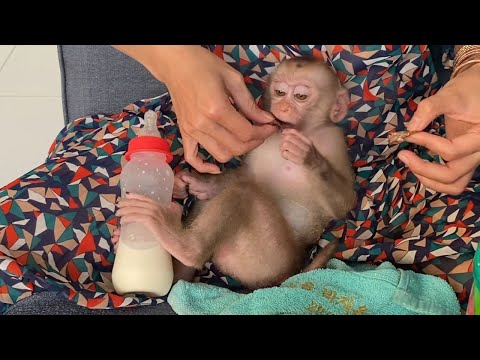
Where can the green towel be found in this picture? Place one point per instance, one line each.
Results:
(338, 289)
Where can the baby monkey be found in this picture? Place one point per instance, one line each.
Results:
(257, 222)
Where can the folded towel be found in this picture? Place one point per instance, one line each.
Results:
(338, 289)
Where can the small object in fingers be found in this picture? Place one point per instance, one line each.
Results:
(282, 125)
(397, 137)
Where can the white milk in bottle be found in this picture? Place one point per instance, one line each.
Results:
(141, 264)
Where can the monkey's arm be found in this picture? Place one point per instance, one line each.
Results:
(332, 170)
(334, 186)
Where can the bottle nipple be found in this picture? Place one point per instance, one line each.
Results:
(150, 139)
(150, 127)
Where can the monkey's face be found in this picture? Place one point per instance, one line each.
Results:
(290, 101)
(299, 92)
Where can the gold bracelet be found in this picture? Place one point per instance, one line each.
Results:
(466, 56)
(457, 69)
(463, 58)
(464, 52)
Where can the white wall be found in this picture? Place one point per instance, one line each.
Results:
(30, 107)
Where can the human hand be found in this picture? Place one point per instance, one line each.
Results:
(203, 88)
(459, 101)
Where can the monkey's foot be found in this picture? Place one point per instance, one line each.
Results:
(182, 272)
(180, 187)
(323, 256)
(201, 186)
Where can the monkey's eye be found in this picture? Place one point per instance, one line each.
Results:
(301, 97)
(279, 93)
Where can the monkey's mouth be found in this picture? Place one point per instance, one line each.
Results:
(282, 124)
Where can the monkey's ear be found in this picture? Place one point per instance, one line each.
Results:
(339, 110)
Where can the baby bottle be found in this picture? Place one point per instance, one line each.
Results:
(142, 265)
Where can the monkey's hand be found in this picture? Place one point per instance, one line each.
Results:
(299, 149)
(180, 187)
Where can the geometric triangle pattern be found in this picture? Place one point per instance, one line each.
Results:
(56, 221)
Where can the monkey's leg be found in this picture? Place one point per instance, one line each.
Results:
(248, 236)
(244, 232)
(204, 186)
(193, 245)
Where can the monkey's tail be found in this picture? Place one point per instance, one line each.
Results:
(323, 256)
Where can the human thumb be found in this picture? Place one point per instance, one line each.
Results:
(429, 109)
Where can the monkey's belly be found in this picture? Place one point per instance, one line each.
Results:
(268, 167)
(298, 217)
(287, 182)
